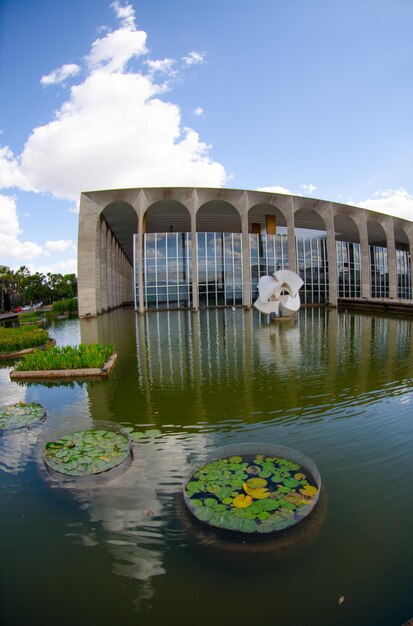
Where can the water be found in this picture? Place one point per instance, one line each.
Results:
(336, 386)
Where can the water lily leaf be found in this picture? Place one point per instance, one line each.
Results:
(257, 494)
(293, 497)
(278, 477)
(299, 476)
(265, 474)
(235, 459)
(291, 482)
(211, 502)
(253, 470)
(309, 491)
(204, 513)
(242, 501)
(248, 526)
(136, 435)
(256, 483)
(263, 515)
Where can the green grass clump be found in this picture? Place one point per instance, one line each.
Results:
(67, 357)
(29, 317)
(65, 306)
(14, 339)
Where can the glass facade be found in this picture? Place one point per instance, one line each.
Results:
(404, 282)
(167, 268)
(220, 276)
(268, 254)
(379, 271)
(348, 269)
(167, 282)
(312, 266)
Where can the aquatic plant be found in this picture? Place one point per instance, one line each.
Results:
(20, 415)
(86, 452)
(15, 339)
(252, 493)
(68, 357)
(29, 317)
(70, 305)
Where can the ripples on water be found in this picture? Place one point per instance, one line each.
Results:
(336, 386)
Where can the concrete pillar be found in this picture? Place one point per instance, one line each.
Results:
(361, 222)
(88, 242)
(411, 264)
(292, 251)
(246, 274)
(139, 259)
(109, 268)
(391, 258)
(119, 273)
(194, 258)
(103, 267)
(331, 255)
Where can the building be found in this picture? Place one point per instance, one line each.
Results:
(198, 247)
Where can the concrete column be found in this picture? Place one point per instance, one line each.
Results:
(118, 259)
(88, 242)
(331, 256)
(292, 251)
(364, 257)
(139, 259)
(411, 264)
(194, 257)
(109, 268)
(246, 274)
(391, 258)
(103, 267)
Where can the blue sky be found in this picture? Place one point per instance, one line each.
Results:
(310, 97)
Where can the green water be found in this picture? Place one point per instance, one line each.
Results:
(336, 386)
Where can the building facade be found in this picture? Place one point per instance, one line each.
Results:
(164, 248)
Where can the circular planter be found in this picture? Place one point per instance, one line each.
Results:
(19, 416)
(253, 489)
(88, 456)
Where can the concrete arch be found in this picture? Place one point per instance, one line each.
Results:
(258, 215)
(218, 215)
(167, 216)
(309, 218)
(346, 228)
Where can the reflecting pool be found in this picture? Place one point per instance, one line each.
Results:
(337, 386)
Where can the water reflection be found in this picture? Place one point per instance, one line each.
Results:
(336, 386)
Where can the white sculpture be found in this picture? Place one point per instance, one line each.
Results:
(278, 294)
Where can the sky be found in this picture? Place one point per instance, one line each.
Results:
(310, 97)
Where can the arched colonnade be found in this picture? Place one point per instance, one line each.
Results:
(108, 220)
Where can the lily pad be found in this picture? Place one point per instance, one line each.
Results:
(20, 415)
(72, 456)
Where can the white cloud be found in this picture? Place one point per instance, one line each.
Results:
(27, 214)
(60, 74)
(113, 51)
(10, 171)
(194, 58)
(198, 112)
(59, 245)
(309, 188)
(10, 244)
(162, 66)
(62, 267)
(113, 130)
(275, 189)
(397, 202)
(125, 13)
